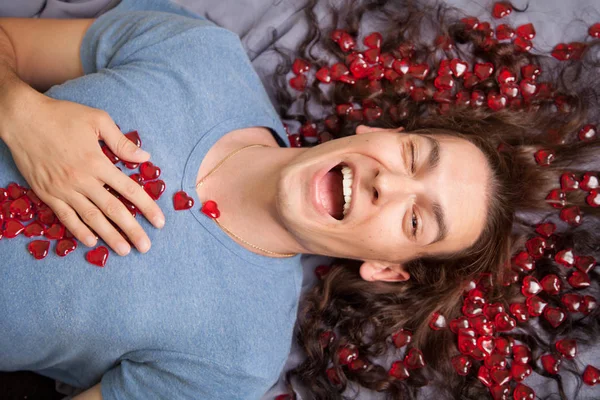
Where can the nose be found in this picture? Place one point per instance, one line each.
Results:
(389, 186)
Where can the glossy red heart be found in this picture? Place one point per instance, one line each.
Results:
(458, 323)
(593, 199)
(414, 359)
(444, 82)
(579, 280)
(39, 249)
(98, 256)
(585, 263)
(181, 201)
(504, 346)
(521, 354)
(520, 371)
(332, 376)
(137, 178)
(110, 155)
(571, 301)
(20, 206)
(555, 316)
(401, 66)
(526, 31)
(551, 284)
(528, 89)
(500, 376)
(523, 392)
(571, 215)
(373, 40)
(472, 308)
(493, 309)
(134, 137)
(419, 71)
(55, 232)
(591, 375)
(523, 262)
(501, 9)
(486, 344)
(45, 215)
(505, 76)
(346, 42)
(500, 392)
(130, 165)
(589, 181)
(210, 209)
(483, 374)
(359, 68)
(588, 304)
(567, 347)
(504, 323)
(15, 191)
(530, 286)
(326, 338)
(565, 258)
(470, 80)
(462, 364)
(510, 90)
(155, 189)
(402, 338)
(298, 83)
(65, 246)
(557, 198)
(562, 52)
(483, 70)
(338, 70)
(399, 371)
(546, 229)
(458, 67)
(530, 71)
(505, 32)
(551, 363)
(568, 182)
(347, 354)
(300, 66)
(510, 277)
(149, 171)
(323, 75)
(372, 56)
(496, 101)
(6, 210)
(588, 132)
(519, 311)
(34, 229)
(470, 22)
(3, 195)
(13, 228)
(535, 306)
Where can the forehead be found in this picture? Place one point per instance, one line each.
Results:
(460, 184)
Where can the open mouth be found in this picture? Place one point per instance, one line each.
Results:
(335, 191)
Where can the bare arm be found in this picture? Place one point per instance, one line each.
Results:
(94, 393)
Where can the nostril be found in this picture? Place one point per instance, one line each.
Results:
(375, 194)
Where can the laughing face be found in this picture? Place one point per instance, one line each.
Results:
(386, 197)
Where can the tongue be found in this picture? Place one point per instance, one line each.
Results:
(331, 194)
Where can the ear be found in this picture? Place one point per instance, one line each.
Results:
(366, 129)
(377, 271)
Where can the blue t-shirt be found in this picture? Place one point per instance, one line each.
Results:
(199, 316)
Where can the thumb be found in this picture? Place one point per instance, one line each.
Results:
(123, 148)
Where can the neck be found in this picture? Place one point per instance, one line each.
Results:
(245, 189)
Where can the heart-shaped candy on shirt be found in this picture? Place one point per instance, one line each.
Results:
(504, 322)
(338, 70)
(579, 280)
(501, 9)
(551, 363)
(155, 189)
(419, 71)
(500, 392)
(571, 215)
(55, 232)
(414, 359)
(359, 68)
(373, 40)
(546, 229)
(13, 228)
(65, 246)
(567, 347)
(181, 201)
(593, 199)
(520, 371)
(97, 256)
(503, 346)
(372, 56)
(589, 181)
(34, 229)
(562, 52)
(565, 258)
(557, 198)
(149, 171)
(444, 82)
(323, 75)
(531, 286)
(493, 309)
(399, 371)
(15, 191)
(500, 376)
(504, 32)
(521, 354)
(585, 263)
(39, 249)
(551, 284)
(462, 364)
(523, 262)
(554, 315)
(298, 83)
(505, 76)
(591, 375)
(346, 42)
(588, 132)
(300, 66)
(483, 70)
(210, 209)
(523, 392)
(594, 30)
(519, 310)
(458, 323)
(496, 101)
(458, 67)
(568, 182)
(402, 338)
(483, 374)
(510, 90)
(20, 206)
(588, 304)
(134, 137)
(486, 344)
(526, 31)
(572, 301)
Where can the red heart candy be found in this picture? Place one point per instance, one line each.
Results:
(65, 246)
(568, 182)
(55, 232)
(137, 178)
(486, 344)
(579, 280)
(444, 82)
(500, 376)
(347, 354)
(181, 201)
(406, 49)
(326, 338)
(3, 195)
(359, 68)
(149, 171)
(510, 277)
(13, 228)
(483, 70)
(557, 198)
(493, 309)
(110, 155)
(372, 113)
(504, 322)
(414, 359)
(523, 262)
(521, 354)
(470, 22)
(462, 364)
(372, 56)
(34, 229)
(134, 136)
(323, 75)
(535, 306)
(496, 101)
(336, 35)
(523, 392)
(15, 191)
(45, 215)
(458, 67)
(571, 215)
(472, 308)
(39, 249)
(567, 347)
(20, 206)
(528, 89)
(466, 343)
(6, 210)
(520, 371)
(338, 70)
(505, 75)
(419, 71)
(401, 66)
(500, 392)
(399, 371)
(402, 338)
(510, 90)
(594, 30)
(530, 286)
(588, 132)
(98, 256)
(501, 9)
(589, 181)
(458, 323)
(593, 199)
(504, 32)
(526, 31)
(346, 42)
(591, 375)
(373, 40)
(155, 189)
(503, 346)
(437, 321)
(585, 263)
(300, 66)
(555, 316)
(562, 52)
(588, 304)
(551, 284)
(470, 80)
(546, 229)
(298, 83)
(483, 374)
(571, 301)
(530, 71)
(129, 206)
(519, 310)
(131, 165)
(210, 209)
(551, 363)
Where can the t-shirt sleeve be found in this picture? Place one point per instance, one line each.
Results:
(148, 375)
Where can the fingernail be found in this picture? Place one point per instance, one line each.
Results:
(123, 249)
(140, 152)
(89, 241)
(158, 222)
(143, 245)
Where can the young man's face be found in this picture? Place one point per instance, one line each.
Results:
(410, 195)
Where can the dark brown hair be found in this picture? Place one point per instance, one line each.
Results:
(364, 315)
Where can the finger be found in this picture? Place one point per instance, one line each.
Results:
(123, 148)
(95, 219)
(69, 218)
(133, 192)
(114, 209)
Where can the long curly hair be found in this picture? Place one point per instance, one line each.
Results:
(530, 116)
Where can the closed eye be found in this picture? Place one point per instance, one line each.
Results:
(413, 164)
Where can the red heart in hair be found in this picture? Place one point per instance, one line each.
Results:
(414, 359)
(181, 201)
(593, 199)
(65, 246)
(555, 316)
(496, 101)
(484, 376)
(519, 310)
(458, 67)
(504, 346)
(565, 257)
(569, 182)
(149, 171)
(567, 347)
(359, 68)
(39, 248)
(521, 354)
(526, 31)
(562, 52)
(323, 75)
(571, 301)
(347, 354)
(589, 181)
(300, 66)
(298, 83)
(402, 338)
(500, 392)
(591, 375)
(97, 256)
(588, 304)
(346, 42)
(530, 71)
(419, 71)
(551, 284)
(579, 280)
(504, 322)
(523, 392)
(399, 371)
(483, 71)
(338, 70)
(210, 209)
(520, 371)
(501, 9)
(546, 229)
(588, 132)
(493, 309)
(374, 40)
(458, 323)
(155, 189)
(504, 32)
(466, 344)
(462, 364)
(551, 363)
(486, 344)
(13, 228)
(585, 263)
(530, 286)
(500, 376)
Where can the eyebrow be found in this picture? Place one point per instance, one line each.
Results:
(432, 162)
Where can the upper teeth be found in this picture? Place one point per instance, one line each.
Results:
(347, 184)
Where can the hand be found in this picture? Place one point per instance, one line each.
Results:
(54, 143)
